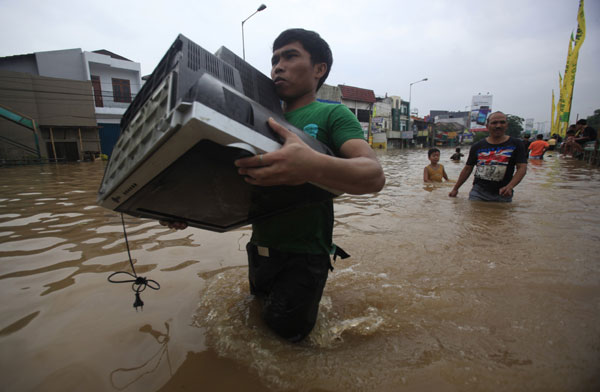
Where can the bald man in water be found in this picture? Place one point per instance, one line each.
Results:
(495, 159)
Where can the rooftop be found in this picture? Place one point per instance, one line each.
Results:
(111, 54)
(357, 94)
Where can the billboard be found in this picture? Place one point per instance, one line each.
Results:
(481, 107)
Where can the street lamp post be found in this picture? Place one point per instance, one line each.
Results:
(410, 93)
(262, 7)
(410, 98)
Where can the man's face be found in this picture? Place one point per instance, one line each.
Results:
(497, 124)
(293, 72)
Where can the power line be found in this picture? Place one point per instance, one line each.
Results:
(51, 79)
(91, 93)
(90, 98)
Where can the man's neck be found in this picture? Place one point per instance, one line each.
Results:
(299, 102)
(498, 140)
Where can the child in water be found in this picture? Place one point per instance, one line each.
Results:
(434, 172)
(456, 156)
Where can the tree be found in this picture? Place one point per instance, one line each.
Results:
(594, 120)
(515, 128)
(477, 136)
(515, 125)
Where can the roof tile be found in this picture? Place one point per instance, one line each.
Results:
(357, 94)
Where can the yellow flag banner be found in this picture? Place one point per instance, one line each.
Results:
(552, 126)
(565, 88)
(556, 110)
(560, 123)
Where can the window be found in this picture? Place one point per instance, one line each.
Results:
(97, 91)
(121, 90)
(363, 115)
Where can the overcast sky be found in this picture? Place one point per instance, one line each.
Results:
(513, 49)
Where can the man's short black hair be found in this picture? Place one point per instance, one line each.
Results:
(487, 120)
(540, 136)
(431, 151)
(312, 42)
(583, 121)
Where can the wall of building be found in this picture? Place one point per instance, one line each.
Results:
(51, 102)
(65, 64)
(23, 63)
(462, 121)
(70, 143)
(62, 99)
(329, 93)
(107, 68)
(355, 105)
(400, 110)
(382, 112)
(106, 74)
(18, 143)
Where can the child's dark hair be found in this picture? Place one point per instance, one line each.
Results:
(431, 151)
(311, 42)
(457, 149)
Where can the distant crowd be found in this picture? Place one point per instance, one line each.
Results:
(500, 161)
(578, 135)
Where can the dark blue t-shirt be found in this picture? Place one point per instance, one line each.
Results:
(495, 163)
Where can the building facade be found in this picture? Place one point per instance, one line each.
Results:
(388, 116)
(329, 94)
(361, 102)
(115, 82)
(400, 133)
(106, 81)
(62, 124)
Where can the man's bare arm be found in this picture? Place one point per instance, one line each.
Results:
(357, 172)
(462, 177)
(508, 189)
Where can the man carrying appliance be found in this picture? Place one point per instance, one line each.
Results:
(289, 254)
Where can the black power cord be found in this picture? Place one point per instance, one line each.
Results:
(138, 283)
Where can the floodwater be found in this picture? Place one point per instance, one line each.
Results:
(439, 294)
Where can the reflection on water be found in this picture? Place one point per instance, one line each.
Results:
(439, 294)
(124, 377)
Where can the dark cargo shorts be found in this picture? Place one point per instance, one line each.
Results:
(479, 193)
(290, 287)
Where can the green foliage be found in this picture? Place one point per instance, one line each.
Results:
(477, 136)
(515, 125)
(594, 120)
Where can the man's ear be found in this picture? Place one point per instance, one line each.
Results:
(320, 69)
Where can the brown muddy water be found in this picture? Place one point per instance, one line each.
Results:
(440, 294)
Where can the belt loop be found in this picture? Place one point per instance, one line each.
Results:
(263, 251)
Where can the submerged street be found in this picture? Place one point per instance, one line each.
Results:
(439, 294)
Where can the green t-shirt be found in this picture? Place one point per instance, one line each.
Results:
(309, 229)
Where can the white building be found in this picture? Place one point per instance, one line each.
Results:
(115, 81)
